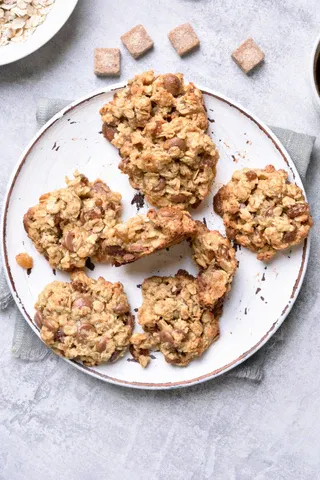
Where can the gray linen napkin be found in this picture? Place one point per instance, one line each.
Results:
(27, 346)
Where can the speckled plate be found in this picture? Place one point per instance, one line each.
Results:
(262, 295)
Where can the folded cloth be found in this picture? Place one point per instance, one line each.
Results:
(26, 344)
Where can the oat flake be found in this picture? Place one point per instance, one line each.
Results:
(20, 18)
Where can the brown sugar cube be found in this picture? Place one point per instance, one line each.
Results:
(137, 41)
(107, 62)
(184, 39)
(248, 55)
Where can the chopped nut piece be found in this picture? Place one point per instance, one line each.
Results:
(184, 39)
(248, 55)
(107, 62)
(24, 261)
(137, 41)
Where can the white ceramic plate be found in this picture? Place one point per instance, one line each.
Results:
(262, 295)
(55, 20)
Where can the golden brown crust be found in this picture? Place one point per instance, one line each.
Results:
(67, 224)
(262, 211)
(143, 235)
(86, 320)
(159, 124)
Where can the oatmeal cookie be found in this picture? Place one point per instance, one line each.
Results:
(145, 234)
(67, 224)
(159, 125)
(174, 320)
(263, 211)
(86, 320)
(180, 314)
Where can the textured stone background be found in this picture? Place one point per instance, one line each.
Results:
(56, 423)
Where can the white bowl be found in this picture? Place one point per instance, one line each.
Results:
(312, 74)
(55, 20)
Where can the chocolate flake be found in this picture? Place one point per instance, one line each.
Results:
(205, 221)
(245, 311)
(90, 265)
(152, 357)
(139, 285)
(258, 290)
(29, 271)
(211, 120)
(263, 279)
(262, 298)
(54, 146)
(71, 123)
(54, 271)
(138, 200)
(135, 309)
(57, 148)
(233, 158)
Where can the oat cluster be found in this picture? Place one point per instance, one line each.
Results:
(20, 18)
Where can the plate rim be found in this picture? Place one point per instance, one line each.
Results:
(46, 38)
(168, 385)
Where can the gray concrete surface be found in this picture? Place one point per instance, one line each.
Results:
(56, 423)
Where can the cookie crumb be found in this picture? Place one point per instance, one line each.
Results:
(248, 55)
(24, 261)
(107, 62)
(137, 41)
(183, 39)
